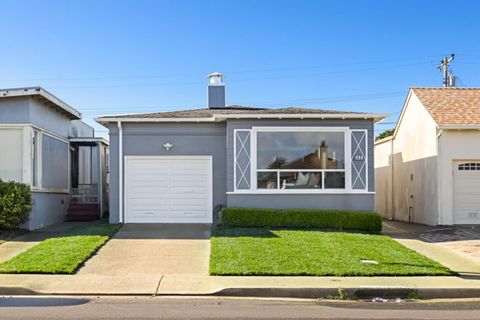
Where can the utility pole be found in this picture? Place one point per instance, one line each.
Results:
(448, 77)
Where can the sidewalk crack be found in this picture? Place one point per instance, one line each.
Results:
(158, 286)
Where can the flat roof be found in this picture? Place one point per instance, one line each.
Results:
(43, 96)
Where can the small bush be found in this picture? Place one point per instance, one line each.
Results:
(301, 218)
(15, 204)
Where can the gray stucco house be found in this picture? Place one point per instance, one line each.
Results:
(44, 144)
(181, 166)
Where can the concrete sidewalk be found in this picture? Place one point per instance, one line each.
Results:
(306, 287)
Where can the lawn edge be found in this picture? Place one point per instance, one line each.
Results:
(75, 270)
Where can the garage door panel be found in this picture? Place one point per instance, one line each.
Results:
(466, 192)
(179, 203)
(163, 189)
(187, 214)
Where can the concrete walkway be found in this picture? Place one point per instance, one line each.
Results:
(153, 249)
(441, 244)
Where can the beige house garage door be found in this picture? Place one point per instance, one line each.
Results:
(466, 192)
(168, 189)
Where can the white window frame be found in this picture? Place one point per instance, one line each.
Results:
(366, 161)
(36, 159)
(347, 156)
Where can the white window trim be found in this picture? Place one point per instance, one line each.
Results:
(366, 159)
(235, 184)
(347, 155)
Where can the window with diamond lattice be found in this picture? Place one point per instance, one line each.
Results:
(359, 160)
(242, 159)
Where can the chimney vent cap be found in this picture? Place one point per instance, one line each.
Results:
(216, 78)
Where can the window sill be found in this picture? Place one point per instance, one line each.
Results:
(283, 192)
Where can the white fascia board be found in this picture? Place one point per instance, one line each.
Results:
(221, 117)
(107, 120)
(376, 117)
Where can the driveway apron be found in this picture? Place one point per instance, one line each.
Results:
(160, 249)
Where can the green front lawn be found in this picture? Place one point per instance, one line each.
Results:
(269, 252)
(62, 254)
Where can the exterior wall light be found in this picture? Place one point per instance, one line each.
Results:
(167, 146)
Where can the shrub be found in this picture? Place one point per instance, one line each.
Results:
(301, 218)
(15, 204)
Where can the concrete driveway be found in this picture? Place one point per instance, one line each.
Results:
(157, 249)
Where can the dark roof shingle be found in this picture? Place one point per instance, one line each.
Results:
(233, 109)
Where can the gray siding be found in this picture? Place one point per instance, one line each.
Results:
(47, 209)
(309, 201)
(216, 139)
(47, 118)
(187, 139)
(248, 124)
(78, 128)
(54, 163)
(14, 111)
(216, 96)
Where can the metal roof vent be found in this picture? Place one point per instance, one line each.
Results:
(216, 91)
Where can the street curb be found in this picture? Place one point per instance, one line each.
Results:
(306, 293)
(364, 292)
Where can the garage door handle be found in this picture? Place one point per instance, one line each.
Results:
(149, 212)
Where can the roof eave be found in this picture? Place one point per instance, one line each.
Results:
(222, 117)
(459, 127)
(39, 91)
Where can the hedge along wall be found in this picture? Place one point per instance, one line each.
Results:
(15, 204)
(301, 218)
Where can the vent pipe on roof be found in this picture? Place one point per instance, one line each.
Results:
(216, 91)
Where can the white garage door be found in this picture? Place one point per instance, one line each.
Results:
(466, 192)
(168, 189)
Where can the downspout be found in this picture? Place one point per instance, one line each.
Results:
(120, 172)
(440, 218)
(100, 178)
(392, 188)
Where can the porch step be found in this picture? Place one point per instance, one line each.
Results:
(82, 212)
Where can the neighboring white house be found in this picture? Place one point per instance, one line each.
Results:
(429, 171)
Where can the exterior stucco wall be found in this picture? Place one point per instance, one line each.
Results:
(384, 179)
(453, 145)
(188, 139)
(413, 161)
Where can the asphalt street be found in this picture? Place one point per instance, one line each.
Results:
(227, 308)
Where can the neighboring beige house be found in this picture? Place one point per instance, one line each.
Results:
(429, 171)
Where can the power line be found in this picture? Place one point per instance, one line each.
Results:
(170, 75)
(241, 80)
